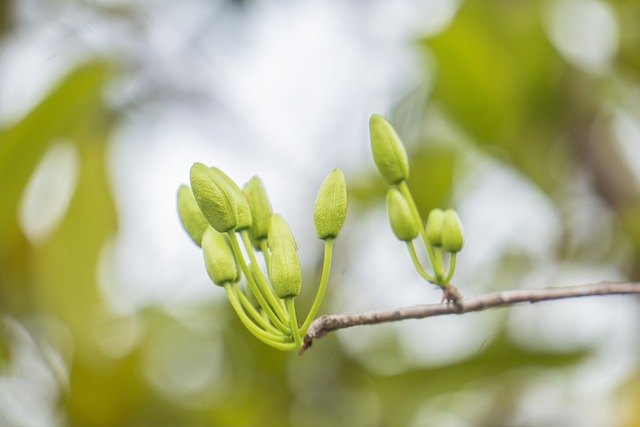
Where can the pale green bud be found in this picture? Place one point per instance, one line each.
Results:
(260, 205)
(452, 238)
(434, 227)
(242, 204)
(330, 209)
(279, 231)
(388, 152)
(214, 198)
(403, 224)
(191, 216)
(218, 257)
(285, 273)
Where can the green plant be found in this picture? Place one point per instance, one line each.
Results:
(442, 236)
(219, 216)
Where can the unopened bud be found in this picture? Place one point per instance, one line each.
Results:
(388, 152)
(240, 199)
(285, 273)
(214, 198)
(452, 238)
(191, 216)
(434, 227)
(260, 206)
(218, 258)
(330, 209)
(279, 231)
(403, 224)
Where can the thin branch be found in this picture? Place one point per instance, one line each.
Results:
(456, 305)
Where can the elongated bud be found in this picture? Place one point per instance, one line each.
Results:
(191, 216)
(260, 206)
(388, 152)
(214, 198)
(285, 273)
(279, 231)
(402, 222)
(452, 238)
(330, 209)
(240, 199)
(218, 258)
(434, 227)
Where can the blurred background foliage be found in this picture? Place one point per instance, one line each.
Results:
(523, 115)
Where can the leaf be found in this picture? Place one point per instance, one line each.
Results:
(22, 146)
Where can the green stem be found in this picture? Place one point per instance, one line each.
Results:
(417, 265)
(404, 189)
(438, 268)
(276, 303)
(252, 284)
(452, 269)
(293, 321)
(257, 317)
(326, 268)
(279, 342)
(265, 252)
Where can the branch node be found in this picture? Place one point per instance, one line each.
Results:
(451, 294)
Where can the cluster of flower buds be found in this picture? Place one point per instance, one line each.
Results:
(442, 233)
(219, 217)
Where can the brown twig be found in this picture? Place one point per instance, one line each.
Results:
(329, 323)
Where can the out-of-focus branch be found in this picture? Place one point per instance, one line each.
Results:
(329, 323)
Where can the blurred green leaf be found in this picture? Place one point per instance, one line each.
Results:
(22, 146)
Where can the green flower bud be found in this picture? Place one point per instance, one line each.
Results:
(434, 227)
(403, 224)
(279, 231)
(218, 258)
(214, 198)
(330, 209)
(242, 204)
(285, 273)
(191, 216)
(452, 238)
(388, 152)
(260, 208)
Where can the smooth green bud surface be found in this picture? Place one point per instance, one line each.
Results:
(279, 231)
(452, 238)
(191, 216)
(218, 258)
(330, 209)
(284, 270)
(260, 206)
(388, 152)
(434, 227)
(214, 198)
(402, 222)
(242, 204)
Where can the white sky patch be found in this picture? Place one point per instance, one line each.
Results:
(49, 191)
(585, 32)
(501, 212)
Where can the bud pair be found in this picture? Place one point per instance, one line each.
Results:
(221, 201)
(444, 230)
